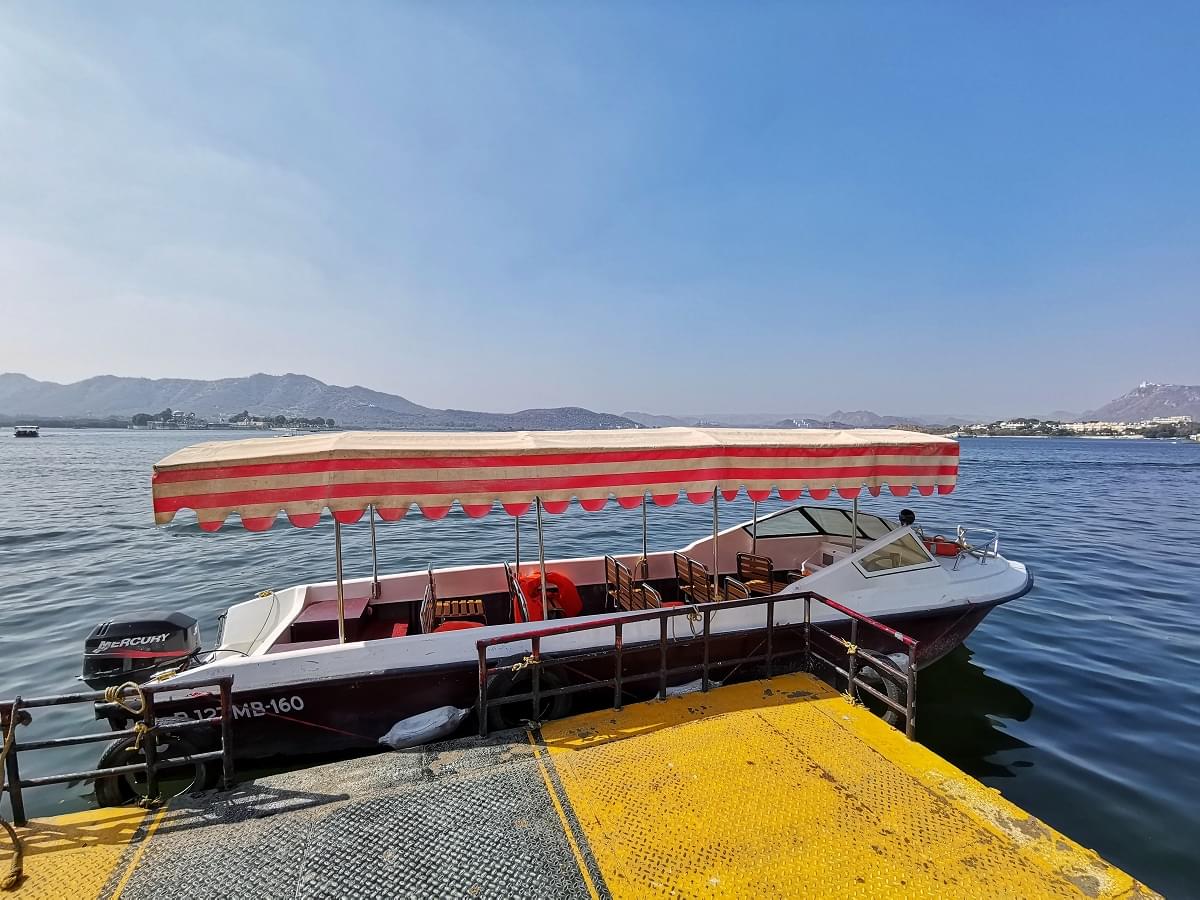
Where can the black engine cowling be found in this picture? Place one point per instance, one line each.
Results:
(132, 648)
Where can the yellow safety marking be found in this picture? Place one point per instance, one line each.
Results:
(73, 855)
(563, 820)
(137, 856)
(783, 788)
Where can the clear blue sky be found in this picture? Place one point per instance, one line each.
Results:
(984, 208)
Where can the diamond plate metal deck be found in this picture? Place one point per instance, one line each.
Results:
(766, 789)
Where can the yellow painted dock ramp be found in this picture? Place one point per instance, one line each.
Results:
(774, 788)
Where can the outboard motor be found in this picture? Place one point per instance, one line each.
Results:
(132, 648)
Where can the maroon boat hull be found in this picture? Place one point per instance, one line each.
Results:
(338, 715)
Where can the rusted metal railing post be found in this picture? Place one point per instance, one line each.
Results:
(227, 777)
(852, 665)
(150, 747)
(619, 647)
(910, 719)
(536, 678)
(770, 635)
(662, 658)
(704, 668)
(808, 632)
(482, 713)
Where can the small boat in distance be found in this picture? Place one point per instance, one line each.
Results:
(26, 430)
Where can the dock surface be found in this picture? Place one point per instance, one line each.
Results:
(775, 788)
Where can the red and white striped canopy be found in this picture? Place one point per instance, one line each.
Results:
(349, 472)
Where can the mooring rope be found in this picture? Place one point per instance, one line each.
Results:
(116, 694)
(17, 864)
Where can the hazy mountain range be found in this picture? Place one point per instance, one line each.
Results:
(110, 396)
(287, 395)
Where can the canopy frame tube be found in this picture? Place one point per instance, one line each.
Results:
(541, 557)
(376, 588)
(341, 593)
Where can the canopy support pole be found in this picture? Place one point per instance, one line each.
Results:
(542, 557)
(716, 528)
(517, 523)
(854, 527)
(754, 530)
(341, 597)
(376, 590)
(645, 544)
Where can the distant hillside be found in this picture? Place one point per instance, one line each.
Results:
(652, 421)
(836, 419)
(288, 395)
(1148, 400)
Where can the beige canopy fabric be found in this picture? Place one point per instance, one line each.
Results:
(351, 471)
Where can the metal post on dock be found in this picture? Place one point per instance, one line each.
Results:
(341, 597)
(375, 588)
(12, 771)
(150, 748)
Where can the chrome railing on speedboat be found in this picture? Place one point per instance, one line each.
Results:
(968, 541)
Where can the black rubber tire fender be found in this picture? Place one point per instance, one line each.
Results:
(116, 790)
(871, 667)
(513, 715)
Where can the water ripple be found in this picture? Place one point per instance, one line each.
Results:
(1081, 702)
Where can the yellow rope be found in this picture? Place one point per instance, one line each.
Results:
(116, 693)
(17, 864)
(140, 730)
(525, 663)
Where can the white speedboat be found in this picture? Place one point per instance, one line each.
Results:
(333, 665)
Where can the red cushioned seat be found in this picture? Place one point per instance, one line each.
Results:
(457, 625)
(673, 603)
(399, 629)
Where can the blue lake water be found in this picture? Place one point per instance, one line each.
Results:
(1080, 702)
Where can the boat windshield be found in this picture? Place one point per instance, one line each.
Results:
(904, 552)
(827, 520)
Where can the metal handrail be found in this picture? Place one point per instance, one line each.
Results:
(990, 549)
(703, 612)
(149, 728)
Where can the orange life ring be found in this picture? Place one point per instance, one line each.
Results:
(940, 546)
(566, 594)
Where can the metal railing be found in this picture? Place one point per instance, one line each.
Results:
(146, 726)
(810, 635)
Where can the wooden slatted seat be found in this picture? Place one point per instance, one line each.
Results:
(758, 574)
(625, 592)
(611, 569)
(459, 608)
(733, 589)
(456, 609)
(694, 581)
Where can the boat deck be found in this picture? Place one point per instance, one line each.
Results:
(769, 788)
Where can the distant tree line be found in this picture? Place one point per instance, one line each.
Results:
(165, 416)
(283, 421)
(244, 417)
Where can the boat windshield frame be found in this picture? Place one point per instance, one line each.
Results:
(816, 529)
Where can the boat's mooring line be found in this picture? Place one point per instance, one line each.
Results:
(361, 737)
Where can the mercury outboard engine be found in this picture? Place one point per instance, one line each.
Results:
(132, 648)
